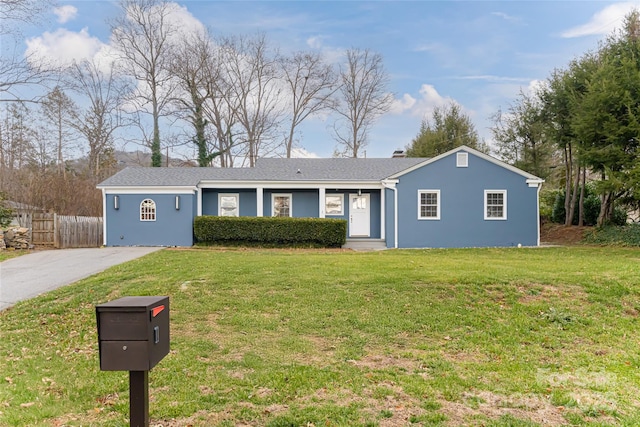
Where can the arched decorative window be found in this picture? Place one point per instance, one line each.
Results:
(148, 210)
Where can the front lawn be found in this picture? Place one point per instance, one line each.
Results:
(8, 254)
(476, 337)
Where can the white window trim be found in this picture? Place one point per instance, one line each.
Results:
(341, 195)
(153, 205)
(221, 195)
(462, 160)
(273, 204)
(504, 205)
(429, 218)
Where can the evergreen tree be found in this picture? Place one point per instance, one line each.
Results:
(448, 128)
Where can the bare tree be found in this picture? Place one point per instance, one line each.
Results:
(59, 110)
(190, 64)
(103, 91)
(221, 106)
(311, 83)
(16, 139)
(17, 148)
(16, 70)
(143, 35)
(251, 73)
(364, 93)
(25, 11)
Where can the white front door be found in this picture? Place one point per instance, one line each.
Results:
(359, 215)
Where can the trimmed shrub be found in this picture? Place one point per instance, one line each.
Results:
(271, 230)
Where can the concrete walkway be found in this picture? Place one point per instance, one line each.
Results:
(30, 275)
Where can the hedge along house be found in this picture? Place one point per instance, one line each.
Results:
(462, 198)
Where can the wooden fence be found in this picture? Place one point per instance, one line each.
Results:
(61, 231)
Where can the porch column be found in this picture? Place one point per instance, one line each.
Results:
(259, 201)
(199, 201)
(382, 214)
(321, 194)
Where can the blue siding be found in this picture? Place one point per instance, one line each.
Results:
(374, 213)
(172, 227)
(247, 201)
(389, 218)
(304, 203)
(462, 222)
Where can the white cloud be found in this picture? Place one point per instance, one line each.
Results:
(403, 104)
(62, 47)
(177, 17)
(315, 42)
(331, 54)
(603, 22)
(506, 17)
(422, 106)
(301, 153)
(427, 47)
(65, 13)
(535, 86)
(184, 20)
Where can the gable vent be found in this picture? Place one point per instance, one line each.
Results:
(462, 160)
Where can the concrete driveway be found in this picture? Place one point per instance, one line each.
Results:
(30, 275)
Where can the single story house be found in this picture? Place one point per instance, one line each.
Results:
(462, 198)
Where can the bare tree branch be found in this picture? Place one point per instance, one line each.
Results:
(312, 84)
(252, 79)
(102, 117)
(142, 33)
(363, 87)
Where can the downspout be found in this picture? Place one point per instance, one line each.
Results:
(538, 210)
(104, 217)
(391, 185)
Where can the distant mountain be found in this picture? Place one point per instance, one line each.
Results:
(141, 158)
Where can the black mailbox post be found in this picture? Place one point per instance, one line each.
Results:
(133, 335)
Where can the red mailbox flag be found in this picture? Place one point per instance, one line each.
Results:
(156, 310)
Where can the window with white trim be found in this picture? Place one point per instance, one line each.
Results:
(228, 204)
(281, 205)
(462, 160)
(495, 204)
(147, 210)
(334, 204)
(428, 204)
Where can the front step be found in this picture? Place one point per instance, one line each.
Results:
(365, 244)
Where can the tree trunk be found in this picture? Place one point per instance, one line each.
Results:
(290, 141)
(605, 208)
(568, 176)
(581, 202)
(156, 154)
(574, 196)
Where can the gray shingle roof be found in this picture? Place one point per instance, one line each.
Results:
(265, 170)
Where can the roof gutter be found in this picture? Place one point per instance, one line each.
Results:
(391, 185)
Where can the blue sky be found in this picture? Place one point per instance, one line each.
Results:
(479, 54)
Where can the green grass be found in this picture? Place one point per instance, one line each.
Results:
(7, 254)
(478, 337)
